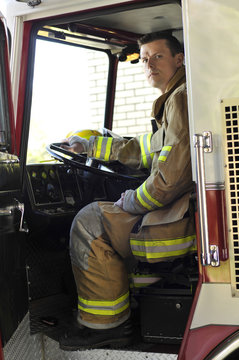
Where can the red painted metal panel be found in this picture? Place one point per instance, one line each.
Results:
(198, 343)
(9, 92)
(1, 350)
(10, 104)
(22, 84)
(217, 231)
(202, 341)
(217, 221)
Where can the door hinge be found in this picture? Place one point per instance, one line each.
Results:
(214, 252)
(207, 141)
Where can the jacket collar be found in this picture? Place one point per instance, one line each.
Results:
(178, 79)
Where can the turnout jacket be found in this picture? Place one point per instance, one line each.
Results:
(156, 223)
(164, 196)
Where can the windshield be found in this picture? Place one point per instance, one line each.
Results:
(69, 91)
(69, 94)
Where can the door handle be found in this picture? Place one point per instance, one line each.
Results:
(21, 208)
(9, 210)
(203, 143)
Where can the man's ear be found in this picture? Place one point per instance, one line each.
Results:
(179, 59)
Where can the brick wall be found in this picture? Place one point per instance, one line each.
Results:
(97, 71)
(134, 97)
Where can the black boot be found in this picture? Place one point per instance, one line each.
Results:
(86, 338)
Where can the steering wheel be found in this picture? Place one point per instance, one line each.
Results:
(95, 166)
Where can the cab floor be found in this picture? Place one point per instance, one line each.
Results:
(52, 316)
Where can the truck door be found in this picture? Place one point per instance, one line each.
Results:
(83, 51)
(13, 290)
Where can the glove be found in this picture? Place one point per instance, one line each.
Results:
(127, 203)
(77, 139)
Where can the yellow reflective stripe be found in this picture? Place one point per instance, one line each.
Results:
(147, 206)
(104, 303)
(104, 312)
(149, 197)
(133, 286)
(140, 276)
(98, 147)
(143, 154)
(167, 148)
(108, 149)
(140, 285)
(103, 148)
(162, 254)
(146, 156)
(162, 242)
(143, 280)
(164, 153)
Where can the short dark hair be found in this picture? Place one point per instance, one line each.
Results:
(172, 43)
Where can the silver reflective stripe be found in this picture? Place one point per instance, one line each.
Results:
(103, 307)
(158, 249)
(145, 199)
(164, 153)
(163, 248)
(143, 280)
(145, 146)
(112, 307)
(103, 148)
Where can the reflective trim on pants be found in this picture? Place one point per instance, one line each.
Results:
(99, 307)
(163, 248)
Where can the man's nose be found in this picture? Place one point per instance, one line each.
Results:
(151, 63)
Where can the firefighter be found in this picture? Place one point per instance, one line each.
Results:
(152, 223)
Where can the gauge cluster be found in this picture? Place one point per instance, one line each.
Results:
(58, 189)
(54, 188)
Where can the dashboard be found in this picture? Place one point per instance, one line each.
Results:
(54, 188)
(61, 189)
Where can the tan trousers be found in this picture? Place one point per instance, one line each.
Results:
(100, 239)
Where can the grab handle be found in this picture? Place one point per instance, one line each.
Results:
(200, 145)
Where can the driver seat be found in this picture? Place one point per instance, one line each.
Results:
(162, 294)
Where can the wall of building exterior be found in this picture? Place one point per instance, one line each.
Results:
(134, 96)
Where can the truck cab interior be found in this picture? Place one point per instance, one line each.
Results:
(83, 72)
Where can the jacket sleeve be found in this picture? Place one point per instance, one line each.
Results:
(171, 169)
(135, 152)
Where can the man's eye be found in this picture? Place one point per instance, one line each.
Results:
(144, 60)
(158, 56)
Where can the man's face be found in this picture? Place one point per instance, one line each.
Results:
(159, 64)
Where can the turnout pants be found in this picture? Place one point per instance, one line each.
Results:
(101, 243)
